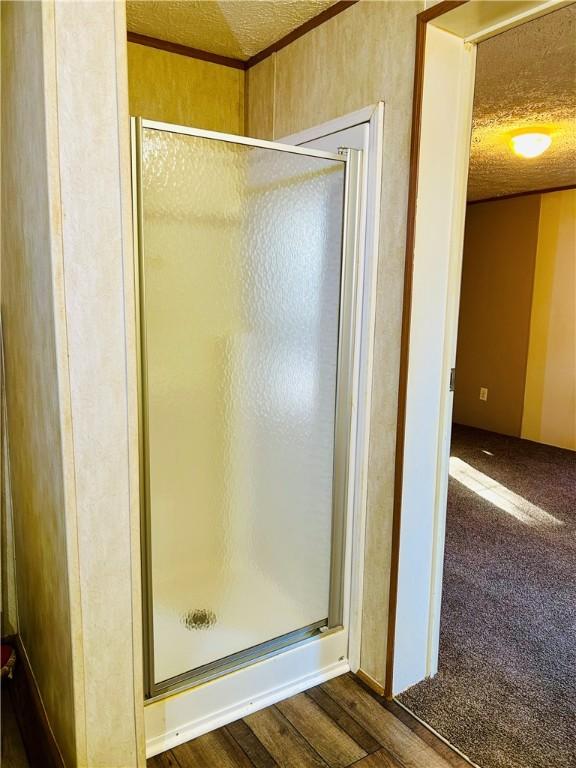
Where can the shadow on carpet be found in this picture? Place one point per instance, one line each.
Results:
(505, 693)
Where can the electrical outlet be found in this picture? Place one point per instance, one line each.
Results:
(484, 393)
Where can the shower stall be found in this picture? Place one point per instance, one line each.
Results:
(246, 282)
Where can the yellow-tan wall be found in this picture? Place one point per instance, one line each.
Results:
(550, 396)
(496, 297)
(30, 291)
(178, 89)
(359, 57)
(517, 325)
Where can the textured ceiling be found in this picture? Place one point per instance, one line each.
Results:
(236, 28)
(525, 79)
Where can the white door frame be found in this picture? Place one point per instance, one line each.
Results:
(442, 122)
(373, 117)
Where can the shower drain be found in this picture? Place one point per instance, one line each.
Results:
(199, 618)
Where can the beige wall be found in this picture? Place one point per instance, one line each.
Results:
(177, 89)
(31, 289)
(71, 371)
(363, 55)
(94, 172)
(550, 396)
(497, 276)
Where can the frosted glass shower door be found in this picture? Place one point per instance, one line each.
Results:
(240, 267)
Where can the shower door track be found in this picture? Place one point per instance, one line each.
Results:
(340, 563)
(235, 661)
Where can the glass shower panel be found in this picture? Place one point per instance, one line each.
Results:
(240, 283)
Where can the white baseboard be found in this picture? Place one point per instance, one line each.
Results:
(187, 714)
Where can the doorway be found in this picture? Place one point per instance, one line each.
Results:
(505, 615)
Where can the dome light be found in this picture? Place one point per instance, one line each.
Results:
(530, 144)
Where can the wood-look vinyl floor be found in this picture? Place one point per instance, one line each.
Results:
(334, 725)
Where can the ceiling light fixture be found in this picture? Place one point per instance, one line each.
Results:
(530, 144)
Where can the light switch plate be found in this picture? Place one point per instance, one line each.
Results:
(483, 393)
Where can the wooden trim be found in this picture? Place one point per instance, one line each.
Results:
(438, 10)
(368, 680)
(228, 61)
(309, 25)
(41, 747)
(546, 191)
(184, 50)
(421, 24)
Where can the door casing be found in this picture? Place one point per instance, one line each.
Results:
(447, 35)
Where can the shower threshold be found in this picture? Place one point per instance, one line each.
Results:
(240, 659)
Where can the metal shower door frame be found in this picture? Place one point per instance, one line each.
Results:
(343, 412)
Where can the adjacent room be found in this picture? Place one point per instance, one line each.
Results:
(505, 691)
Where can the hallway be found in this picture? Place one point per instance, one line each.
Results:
(506, 691)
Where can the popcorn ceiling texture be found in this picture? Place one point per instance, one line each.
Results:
(237, 28)
(525, 79)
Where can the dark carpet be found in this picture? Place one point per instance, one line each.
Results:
(505, 693)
